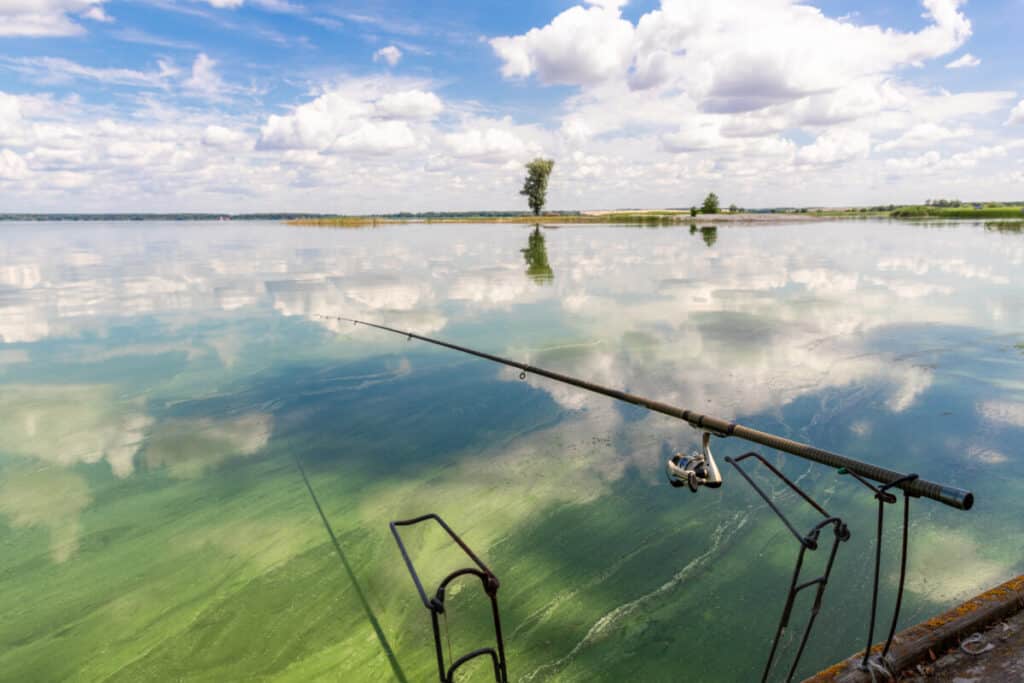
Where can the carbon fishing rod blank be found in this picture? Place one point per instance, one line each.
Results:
(916, 487)
(437, 608)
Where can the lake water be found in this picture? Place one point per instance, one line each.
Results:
(160, 383)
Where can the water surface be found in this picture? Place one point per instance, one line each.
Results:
(160, 383)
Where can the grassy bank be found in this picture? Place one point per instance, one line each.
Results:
(616, 217)
(341, 221)
(627, 217)
(959, 212)
(668, 217)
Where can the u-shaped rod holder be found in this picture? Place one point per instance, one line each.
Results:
(436, 604)
(807, 542)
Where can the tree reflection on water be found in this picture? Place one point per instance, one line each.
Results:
(708, 233)
(536, 256)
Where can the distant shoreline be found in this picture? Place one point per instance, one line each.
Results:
(636, 216)
(589, 218)
(602, 216)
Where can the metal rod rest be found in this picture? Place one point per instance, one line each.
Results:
(436, 605)
(948, 495)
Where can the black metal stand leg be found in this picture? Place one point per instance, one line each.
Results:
(816, 607)
(784, 619)
(884, 497)
(903, 576)
(874, 590)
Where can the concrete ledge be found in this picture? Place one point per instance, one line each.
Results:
(937, 634)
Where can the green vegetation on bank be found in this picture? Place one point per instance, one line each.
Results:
(342, 221)
(157, 216)
(965, 211)
(535, 188)
(653, 217)
(710, 204)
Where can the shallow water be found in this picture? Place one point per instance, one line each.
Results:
(160, 383)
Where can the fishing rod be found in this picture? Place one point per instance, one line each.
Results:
(700, 469)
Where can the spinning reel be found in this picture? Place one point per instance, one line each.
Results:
(694, 470)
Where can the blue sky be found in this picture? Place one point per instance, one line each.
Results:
(389, 105)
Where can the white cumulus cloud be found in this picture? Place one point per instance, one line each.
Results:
(608, 4)
(1016, 114)
(835, 146)
(964, 62)
(354, 116)
(10, 115)
(916, 163)
(390, 55)
(224, 138)
(580, 46)
(35, 18)
(12, 166)
(489, 143)
(729, 55)
(280, 6)
(376, 137)
(925, 134)
(408, 104)
(205, 80)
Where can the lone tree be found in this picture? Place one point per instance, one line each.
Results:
(710, 204)
(536, 186)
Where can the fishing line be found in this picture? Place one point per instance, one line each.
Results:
(396, 668)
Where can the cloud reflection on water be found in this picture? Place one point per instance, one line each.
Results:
(188, 448)
(765, 317)
(755, 323)
(47, 497)
(70, 424)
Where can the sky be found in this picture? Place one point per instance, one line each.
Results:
(241, 106)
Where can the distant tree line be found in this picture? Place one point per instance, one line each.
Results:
(712, 204)
(964, 211)
(407, 215)
(469, 214)
(155, 216)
